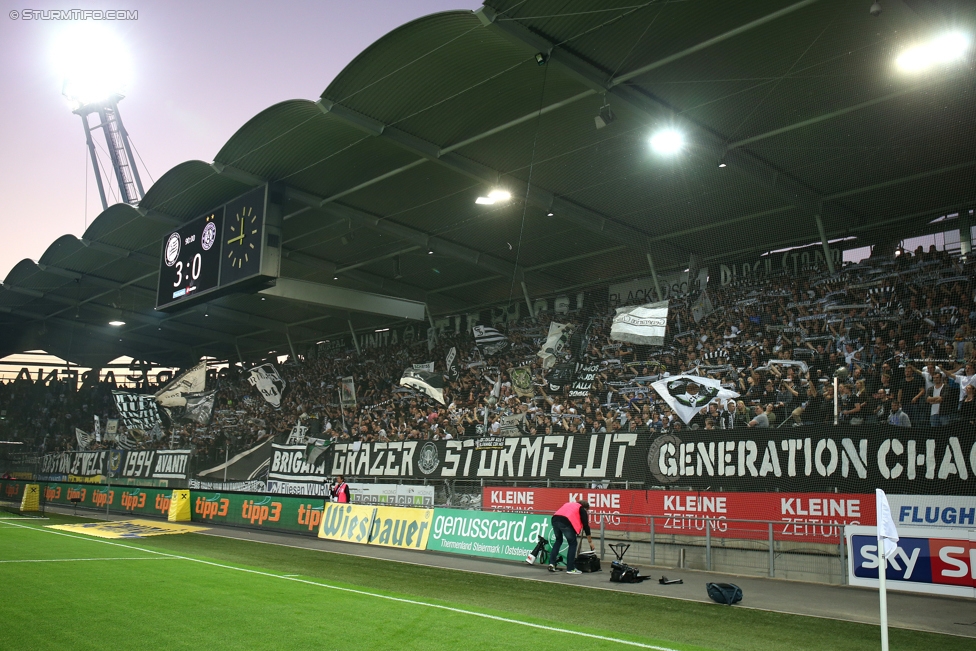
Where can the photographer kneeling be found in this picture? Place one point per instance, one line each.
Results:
(570, 520)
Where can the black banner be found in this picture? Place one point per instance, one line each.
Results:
(126, 464)
(584, 457)
(155, 464)
(289, 465)
(852, 459)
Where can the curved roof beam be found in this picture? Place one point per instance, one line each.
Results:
(599, 80)
(571, 211)
(372, 222)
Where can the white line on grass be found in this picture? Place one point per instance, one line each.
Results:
(365, 593)
(71, 560)
(22, 517)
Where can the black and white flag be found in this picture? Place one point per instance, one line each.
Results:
(193, 380)
(431, 384)
(559, 334)
(347, 392)
(268, 381)
(199, 407)
(84, 439)
(641, 324)
(137, 411)
(453, 372)
(489, 340)
(583, 379)
(560, 376)
(314, 450)
(688, 394)
(701, 307)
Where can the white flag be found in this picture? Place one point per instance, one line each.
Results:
(559, 334)
(193, 380)
(641, 324)
(887, 534)
(688, 394)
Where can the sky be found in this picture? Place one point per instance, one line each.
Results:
(199, 71)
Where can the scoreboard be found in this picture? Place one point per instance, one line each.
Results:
(230, 248)
(191, 259)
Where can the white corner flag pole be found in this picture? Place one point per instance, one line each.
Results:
(887, 544)
(882, 569)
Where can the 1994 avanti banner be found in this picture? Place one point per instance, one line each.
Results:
(806, 459)
(124, 464)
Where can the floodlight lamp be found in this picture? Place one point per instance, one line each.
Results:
(500, 195)
(116, 323)
(92, 63)
(604, 117)
(484, 201)
(541, 58)
(941, 50)
(667, 141)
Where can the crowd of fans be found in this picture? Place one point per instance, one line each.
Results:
(898, 334)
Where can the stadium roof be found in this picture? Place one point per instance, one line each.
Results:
(800, 100)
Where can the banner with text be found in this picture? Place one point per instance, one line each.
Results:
(509, 536)
(930, 561)
(803, 517)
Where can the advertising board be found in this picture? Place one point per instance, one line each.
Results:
(262, 511)
(803, 517)
(509, 536)
(951, 511)
(931, 561)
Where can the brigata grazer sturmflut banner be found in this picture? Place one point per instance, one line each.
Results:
(850, 459)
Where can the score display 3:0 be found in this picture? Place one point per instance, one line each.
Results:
(195, 267)
(190, 264)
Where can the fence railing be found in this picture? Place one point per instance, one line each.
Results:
(769, 548)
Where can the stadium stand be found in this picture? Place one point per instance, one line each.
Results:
(875, 320)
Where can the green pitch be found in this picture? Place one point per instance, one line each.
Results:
(201, 592)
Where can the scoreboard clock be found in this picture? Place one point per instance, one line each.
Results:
(242, 237)
(191, 262)
(232, 248)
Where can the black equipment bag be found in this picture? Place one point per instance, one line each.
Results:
(588, 562)
(724, 593)
(623, 573)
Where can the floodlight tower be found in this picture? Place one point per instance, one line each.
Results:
(116, 142)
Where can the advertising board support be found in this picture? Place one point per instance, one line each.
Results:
(652, 541)
(708, 544)
(843, 555)
(603, 531)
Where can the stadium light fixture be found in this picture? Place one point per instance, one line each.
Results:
(495, 196)
(604, 117)
(92, 63)
(667, 141)
(117, 323)
(941, 50)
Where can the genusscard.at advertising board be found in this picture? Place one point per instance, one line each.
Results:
(478, 533)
